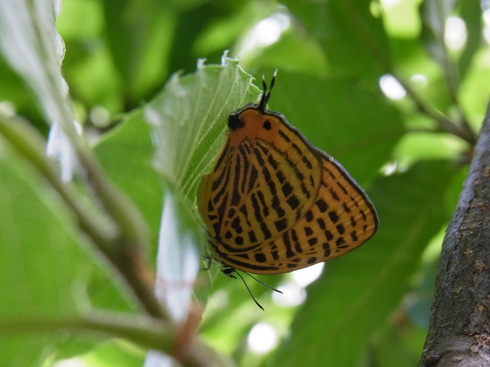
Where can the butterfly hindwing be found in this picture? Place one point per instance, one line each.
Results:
(341, 219)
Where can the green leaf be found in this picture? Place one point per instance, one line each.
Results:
(401, 19)
(433, 15)
(357, 126)
(189, 118)
(114, 353)
(394, 347)
(308, 56)
(126, 154)
(13, 91)
(139, 38)
(352, 37)
(471, 13)
(32, 25)
(357, 292)
(39, 250)
(44, 264)
(24, 350)
(178, 254)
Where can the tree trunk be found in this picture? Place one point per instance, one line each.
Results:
(459, 331)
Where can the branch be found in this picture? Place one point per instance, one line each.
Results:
(145, 331)
(459, 331)
(120, 249)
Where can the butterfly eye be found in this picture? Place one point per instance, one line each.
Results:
(235, 122)
(228, 271)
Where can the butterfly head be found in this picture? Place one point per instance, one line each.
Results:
(254, 120)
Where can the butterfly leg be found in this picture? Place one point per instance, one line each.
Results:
(208, 260)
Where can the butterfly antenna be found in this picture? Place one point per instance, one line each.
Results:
(273, 80)
(248, 289)
(266, 94)
(264, 284)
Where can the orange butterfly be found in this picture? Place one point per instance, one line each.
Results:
(274, 203)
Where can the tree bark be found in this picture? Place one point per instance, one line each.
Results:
(459, 330)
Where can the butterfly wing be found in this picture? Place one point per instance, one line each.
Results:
(264, 180)
(341, 218)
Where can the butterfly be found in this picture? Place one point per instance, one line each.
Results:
(274, 203)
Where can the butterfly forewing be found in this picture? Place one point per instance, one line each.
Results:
(264, 181)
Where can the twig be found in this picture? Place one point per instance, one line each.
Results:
(462, 129)
(459, 128)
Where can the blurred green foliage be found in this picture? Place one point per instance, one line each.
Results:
(334, 60)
